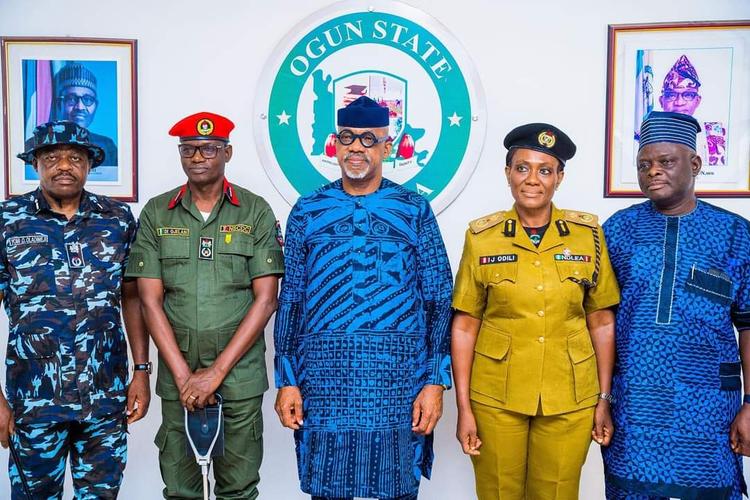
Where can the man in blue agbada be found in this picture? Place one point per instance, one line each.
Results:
(63, 251)
(684, 271)
(362, 331)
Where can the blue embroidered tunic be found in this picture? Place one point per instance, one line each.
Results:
(684, 282)
(363, 324)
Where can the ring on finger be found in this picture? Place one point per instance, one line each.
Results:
(193, 396)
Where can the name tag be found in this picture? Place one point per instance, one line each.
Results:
(173, 231)
(235, 228)
(573, 258)
(498, 259)
(34, 239)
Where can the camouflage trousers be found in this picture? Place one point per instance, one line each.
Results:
(97, 449)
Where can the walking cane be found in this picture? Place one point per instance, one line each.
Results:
(205, 434)
(17, 461)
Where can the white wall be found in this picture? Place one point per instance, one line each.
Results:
(542, 60)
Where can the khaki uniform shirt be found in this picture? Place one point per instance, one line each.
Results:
(207, 268)
(533, 346)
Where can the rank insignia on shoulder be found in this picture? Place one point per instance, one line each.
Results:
(478, 225)
(582, 218)
(172, 231)
(206, 249)
(498, 259)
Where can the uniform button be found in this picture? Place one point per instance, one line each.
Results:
(269, 260)
(576, 273)
(541, 340)
(140, 263)
(540, 287)
(537, 263)
(497, 275)
(540, 314)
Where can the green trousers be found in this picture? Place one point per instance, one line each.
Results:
(236, 473)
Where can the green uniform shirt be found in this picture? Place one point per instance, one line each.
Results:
(207, 268)
(533, 344)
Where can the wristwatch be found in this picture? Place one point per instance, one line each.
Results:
(146, 367)
(746, 399)
(606, 396)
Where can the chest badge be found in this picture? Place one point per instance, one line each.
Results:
(75, 255)
(498, 259)
(206, 248)
(567, 255)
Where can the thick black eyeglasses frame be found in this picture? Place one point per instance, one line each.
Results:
(188, 150)
(364, 138)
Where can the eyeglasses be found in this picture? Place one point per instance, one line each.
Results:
(208, 151)
(72, 99)
(670, 95)
(367, 139)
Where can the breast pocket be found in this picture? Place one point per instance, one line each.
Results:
(234, 259)
(32, 270)
(580, 273)
(499, 280)
(396, 262)
(711, 295)
(174, 254)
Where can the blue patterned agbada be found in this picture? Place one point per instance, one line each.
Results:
(685, 282)
(67, 356)
(362, 326)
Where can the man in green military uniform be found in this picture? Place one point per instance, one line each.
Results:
(208, 258)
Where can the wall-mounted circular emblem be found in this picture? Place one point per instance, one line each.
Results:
(395, 54)
(205, 126)
(546, 139)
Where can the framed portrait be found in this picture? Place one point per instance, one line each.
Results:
(701, 69)
(91, 82)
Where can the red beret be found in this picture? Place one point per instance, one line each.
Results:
(203, 125)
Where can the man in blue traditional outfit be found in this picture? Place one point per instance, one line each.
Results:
(362, 331)
(684, 270)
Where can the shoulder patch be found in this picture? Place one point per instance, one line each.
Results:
(486, 222)
(582, 218)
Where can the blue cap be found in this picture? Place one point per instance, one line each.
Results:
(363, 113)
(62, 133)
(665, 126)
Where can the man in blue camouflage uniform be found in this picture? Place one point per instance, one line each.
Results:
(63, 251)
(683, 266)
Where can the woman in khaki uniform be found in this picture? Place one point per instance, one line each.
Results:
(533, 335)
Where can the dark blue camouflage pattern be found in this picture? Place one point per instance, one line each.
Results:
(98, 453)
(60, 133)
(67, 356)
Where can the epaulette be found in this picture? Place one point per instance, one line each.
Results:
(486, 222)
(583, 218)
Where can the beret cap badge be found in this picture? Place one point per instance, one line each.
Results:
(205, 126)
(547, 139)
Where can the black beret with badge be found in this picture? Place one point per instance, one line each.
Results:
(541, 137)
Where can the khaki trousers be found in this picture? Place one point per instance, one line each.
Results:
(534, 457)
